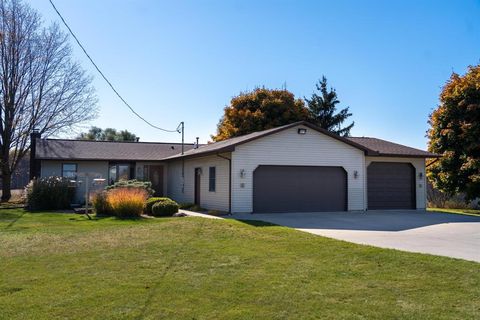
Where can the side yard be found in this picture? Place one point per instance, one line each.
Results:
(65, 266)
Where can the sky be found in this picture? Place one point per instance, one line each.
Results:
(184, 60)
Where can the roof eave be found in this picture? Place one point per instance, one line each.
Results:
(201, 154)
(393, 155)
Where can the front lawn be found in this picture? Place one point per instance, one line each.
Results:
(66, 267)
(470, 212)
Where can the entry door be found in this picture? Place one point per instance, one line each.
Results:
(299, 189)
(155, 176)
(197, 186)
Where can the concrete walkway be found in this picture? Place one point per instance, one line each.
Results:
(451, 235)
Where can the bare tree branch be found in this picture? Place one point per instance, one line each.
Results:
(41, 87)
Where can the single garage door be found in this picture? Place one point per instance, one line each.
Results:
(299, 189)
(391, 185)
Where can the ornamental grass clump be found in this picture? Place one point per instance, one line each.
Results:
(101, 205)
(127, 202)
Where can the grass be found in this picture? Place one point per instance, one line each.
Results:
(62, 266)
(470, 212)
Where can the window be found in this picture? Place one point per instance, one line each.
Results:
(212, 179)
(69, 170)
(117, 172)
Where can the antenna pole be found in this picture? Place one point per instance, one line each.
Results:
(182, 127)
(182, 124)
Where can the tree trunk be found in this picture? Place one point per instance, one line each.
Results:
(6, 186)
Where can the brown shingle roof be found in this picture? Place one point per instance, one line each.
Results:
(229, 144)
(371, 148)
(387, 148)
(59, 149)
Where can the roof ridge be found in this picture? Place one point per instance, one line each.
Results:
(108, 141)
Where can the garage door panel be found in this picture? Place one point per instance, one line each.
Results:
(299, 189)
(391, 185)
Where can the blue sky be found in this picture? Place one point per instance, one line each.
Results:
(184, 60)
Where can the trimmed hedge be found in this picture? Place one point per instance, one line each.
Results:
(151, 201)
(164, 208)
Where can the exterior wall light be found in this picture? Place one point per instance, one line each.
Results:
(420, 175)
(302, 131)
(355, 174)
(242, 173)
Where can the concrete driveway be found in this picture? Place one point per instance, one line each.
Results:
(443, 234)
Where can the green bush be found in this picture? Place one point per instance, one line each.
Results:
(197, 208)
(146, 185)
(151, 201)
(164, 208)
(101, 204)
(187, 205)
(50, 193)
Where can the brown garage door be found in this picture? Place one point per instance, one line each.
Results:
(391, 185)
(299, 189)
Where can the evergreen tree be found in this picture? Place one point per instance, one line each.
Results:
(322, 109)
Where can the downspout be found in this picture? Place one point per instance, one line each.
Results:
(229, 181)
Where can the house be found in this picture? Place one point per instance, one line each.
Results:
(293, 168)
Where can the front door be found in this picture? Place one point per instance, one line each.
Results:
(197, 186)
(155, 176)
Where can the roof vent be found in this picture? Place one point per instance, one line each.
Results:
(196, 143)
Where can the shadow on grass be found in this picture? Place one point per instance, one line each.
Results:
(15, 217)
(258, 223)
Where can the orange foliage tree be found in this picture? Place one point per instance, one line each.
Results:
(455, 134)
(258, 110)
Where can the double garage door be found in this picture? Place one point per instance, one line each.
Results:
(299, 189)
(390, 185)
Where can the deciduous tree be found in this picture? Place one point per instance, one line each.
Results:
(41, 87)
(109, 134)
(455, 134)
(257, 110)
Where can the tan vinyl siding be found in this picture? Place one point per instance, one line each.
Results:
(420, 184)
(218, 200)
(98, 168)
(290, 148)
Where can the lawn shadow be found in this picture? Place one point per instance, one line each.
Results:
(15, 218)
(258, 223)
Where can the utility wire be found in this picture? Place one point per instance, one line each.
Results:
(105, 78)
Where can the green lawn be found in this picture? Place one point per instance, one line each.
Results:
(470, 212)
(64, 266)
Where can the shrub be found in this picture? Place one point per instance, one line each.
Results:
(133, 184)
(50, 193)
(127, 202)
(164, 208)
(186, 206)
(151, 201)
(101, 204)
(196, 207)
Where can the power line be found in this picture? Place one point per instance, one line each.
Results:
(105, 78)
